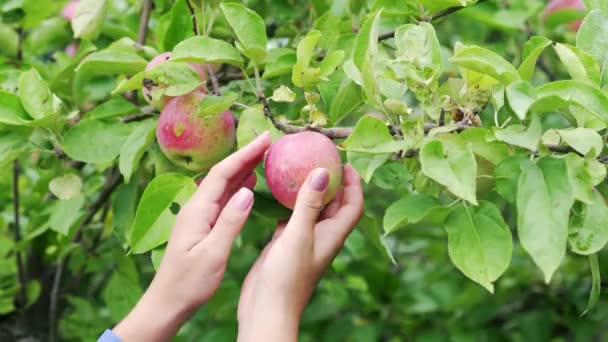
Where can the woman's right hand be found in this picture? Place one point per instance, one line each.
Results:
(281, 281)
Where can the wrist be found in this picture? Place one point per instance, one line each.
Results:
(154, 318)
(269, 324)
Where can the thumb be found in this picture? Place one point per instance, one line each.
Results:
(309, 203)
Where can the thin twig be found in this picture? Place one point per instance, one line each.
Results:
(433, 17)
(144, 19)
(112, 182)
(193, 15)
(20, 266)
(214, 83)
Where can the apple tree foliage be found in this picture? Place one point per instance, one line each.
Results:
(478, 127)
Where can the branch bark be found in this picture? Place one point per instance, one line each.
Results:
(433, 17)
(20, 267)
(144, 19)
(193, 15)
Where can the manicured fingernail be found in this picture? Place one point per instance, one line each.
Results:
(242, 199)
(319, 179)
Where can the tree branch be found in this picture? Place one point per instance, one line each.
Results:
(433, 17)
(20, 267)
(144, 19)
(193, 15)
(112, 181)
(214, 83)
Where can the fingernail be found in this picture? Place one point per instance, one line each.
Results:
(319, 179)
(242, 199)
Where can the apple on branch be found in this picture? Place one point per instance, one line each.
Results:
(291, 158)
(193, 140)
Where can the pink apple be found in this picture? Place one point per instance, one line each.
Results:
(191, 140)
(558, 5)
(292, 157)
(69, 10)
(163, 57)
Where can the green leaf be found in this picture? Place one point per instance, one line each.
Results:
(364, 38)
(173, 78)
(89, 18)
(157, 256)
(12, 111)
(213, 104)
(175, 26)
(347, 99)
(112, 62)
(95, 141)
(36, 96)
(134, 147)
(580, 65)
(65, 213)
(486, 62)
(544, 199)
(479, 243)
(124, 205)
(583, 140)
(522, 136)
(412, 209)
(371, 86)
(506, 175)
(521, 96)
(369, 228)
(303, 75)
(592, 34)
(372, 136)
(561, 94)
(66, 187)
(116, 106)
(206, 50)
(366, 164)
(596, 283)
(581, 180)
(252, 123)
(418, 47)
(12, 143)
(331, 62)
(588, 232)
(123, 290)
(9, 40)
(249, 28)
(457, 171)
(279, 62)
(283, 94)
(532, 51)
(480, 141)
(155, 218)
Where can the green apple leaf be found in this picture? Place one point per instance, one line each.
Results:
(479, 243)
(157, 210)
(544, 199)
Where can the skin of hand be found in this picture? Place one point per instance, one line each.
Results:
(281, 281)
(198, 249)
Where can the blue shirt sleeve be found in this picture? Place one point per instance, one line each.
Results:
(108, 336)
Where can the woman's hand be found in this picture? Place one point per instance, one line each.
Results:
(283, 278)
(197, 252)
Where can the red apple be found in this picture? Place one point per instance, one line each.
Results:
(291, 158)
(558, 5)
(69, 10)
(163, 57)
(192, 140)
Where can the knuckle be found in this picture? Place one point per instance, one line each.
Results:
(314, 203)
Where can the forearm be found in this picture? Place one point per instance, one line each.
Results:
(152, 320)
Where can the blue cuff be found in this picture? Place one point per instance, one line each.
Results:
(108, 336)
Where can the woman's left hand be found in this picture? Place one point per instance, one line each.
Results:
(197, 252)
